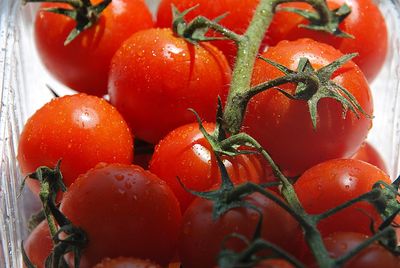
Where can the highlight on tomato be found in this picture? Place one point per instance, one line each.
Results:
(83, 64)
(156, 76)
(80, 130)
(284, 127)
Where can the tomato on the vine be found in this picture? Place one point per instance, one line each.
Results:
(80, 130)
(125, 211)
(185, 154)
(284, 126)
(38, 245)
(365, 23)
(237, 17)
(125, 262)
(84, 63)
(334, 182)
(156, 76)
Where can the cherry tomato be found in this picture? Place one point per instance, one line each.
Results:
(202, 236)
(284, 127)
(81, 130)
(369, 154)
(186, 154)
(83, 64)
(373, 256)
(334, 182)
(122, 262)
(39, 244)
(237, 19)
(155, 77)
(370, 39)
(125, 211)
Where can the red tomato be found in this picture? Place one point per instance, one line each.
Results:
(81, 130)
(334, 182)
(274, 263)
(369, 154)
(370, 39)
(122, 262)
(284, 127)
(202, 236)
(83, 64)
(155, 77)
(186, 154)
(38, 245)
(373, 256)
(238, 16)
(125, 211)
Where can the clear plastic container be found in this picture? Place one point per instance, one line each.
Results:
(23, 90)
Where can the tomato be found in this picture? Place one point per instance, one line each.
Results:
(369, 154)
(38, 245)
(274, 263)
(373, 256)
(370, 39)
(334, 182)
(122, 262)
(202, 236)
(83, 64)
(125, 211)
(81, 130)
(155, 77)
(284, 127)
(186, 154)
(237, 19)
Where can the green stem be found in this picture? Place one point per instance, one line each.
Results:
(44, 197)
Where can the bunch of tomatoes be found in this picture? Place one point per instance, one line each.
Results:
(135, 164)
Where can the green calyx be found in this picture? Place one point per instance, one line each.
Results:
(82, 11)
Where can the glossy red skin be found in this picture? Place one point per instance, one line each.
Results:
(186, 154)
(125, 211)
(122, 262)
(38, 245)
(369, 154)
(284, 127)
(84, 64)
(365, 23)
(334, 182)
(81, 130)
(373, 256)
(238, 16)
(201, 237)
(155, 77)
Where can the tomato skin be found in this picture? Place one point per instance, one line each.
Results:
(125, 211)
(284, 127)
(237, 19)
(38, 245)
(186, 154)
(334, 182)
(274, 263)
(373, 256)
(369, 154)
(122, 262)
(201, 236)
(370, 39)
(164, 75)
(83, 64)
(81, 130)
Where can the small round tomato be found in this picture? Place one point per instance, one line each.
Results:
(155, 77)
(124, 262)
(370, 39)
(373, 256)
(185, 154)
(84, 63)
(369, 154)
(237, 19)
(284, 126)
(81, 130)
(125, 211)
(202, 236)
(38, 245)
(334, 182)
